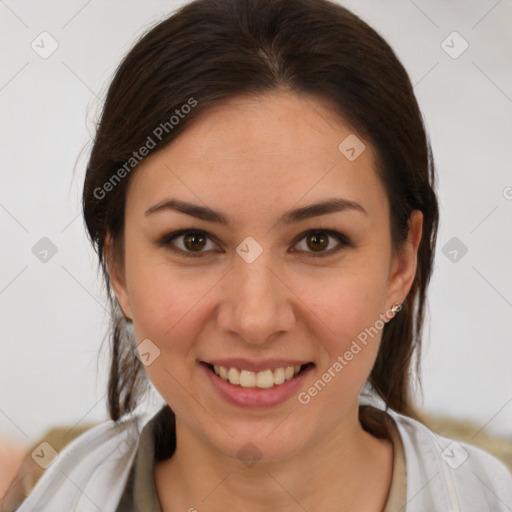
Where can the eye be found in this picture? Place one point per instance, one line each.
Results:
(190, 242)
(194, 243)
(318, 241)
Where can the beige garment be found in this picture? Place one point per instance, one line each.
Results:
(380, 424)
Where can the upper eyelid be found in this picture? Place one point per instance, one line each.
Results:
(330, 232)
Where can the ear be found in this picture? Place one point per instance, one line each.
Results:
(403, 268)
(117, 277)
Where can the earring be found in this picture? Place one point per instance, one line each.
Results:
(396, 307)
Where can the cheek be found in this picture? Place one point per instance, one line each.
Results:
(167, 301)
(170, 310)
(353, 299)
(351, 308)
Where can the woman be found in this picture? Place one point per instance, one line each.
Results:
(261, 197)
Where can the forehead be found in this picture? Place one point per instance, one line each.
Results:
(259, 153)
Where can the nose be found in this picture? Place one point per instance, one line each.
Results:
(257, 306)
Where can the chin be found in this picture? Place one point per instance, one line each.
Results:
(249, 444)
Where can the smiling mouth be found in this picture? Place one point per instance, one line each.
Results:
(265, 379)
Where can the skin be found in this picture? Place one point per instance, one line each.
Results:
(253, 158)
(11, 456)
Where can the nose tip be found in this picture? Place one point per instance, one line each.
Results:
(257, 306)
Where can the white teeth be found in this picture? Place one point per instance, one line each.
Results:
(288, 372)
(278, 375)
(234, 376)
(265, 379)
(247, 379)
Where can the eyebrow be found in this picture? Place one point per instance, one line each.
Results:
(331, 205)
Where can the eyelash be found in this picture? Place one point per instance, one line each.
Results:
(343, 240)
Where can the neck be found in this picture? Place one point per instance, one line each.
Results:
(348, 469)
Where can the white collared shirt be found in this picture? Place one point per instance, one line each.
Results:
(442, 474)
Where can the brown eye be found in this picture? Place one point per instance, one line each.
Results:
(188, 242)
(318, 243)
(194, 241)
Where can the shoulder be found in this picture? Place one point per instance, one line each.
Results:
(93, 467)
(449, 474)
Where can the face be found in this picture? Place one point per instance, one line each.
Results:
(269, 288)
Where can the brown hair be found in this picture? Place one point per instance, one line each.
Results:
(210, 50)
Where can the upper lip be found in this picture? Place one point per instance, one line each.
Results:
(256, 366)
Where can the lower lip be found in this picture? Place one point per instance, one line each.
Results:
(255, 397)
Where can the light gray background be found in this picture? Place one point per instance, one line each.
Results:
(53, 316)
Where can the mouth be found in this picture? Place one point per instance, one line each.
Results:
(266, 379)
